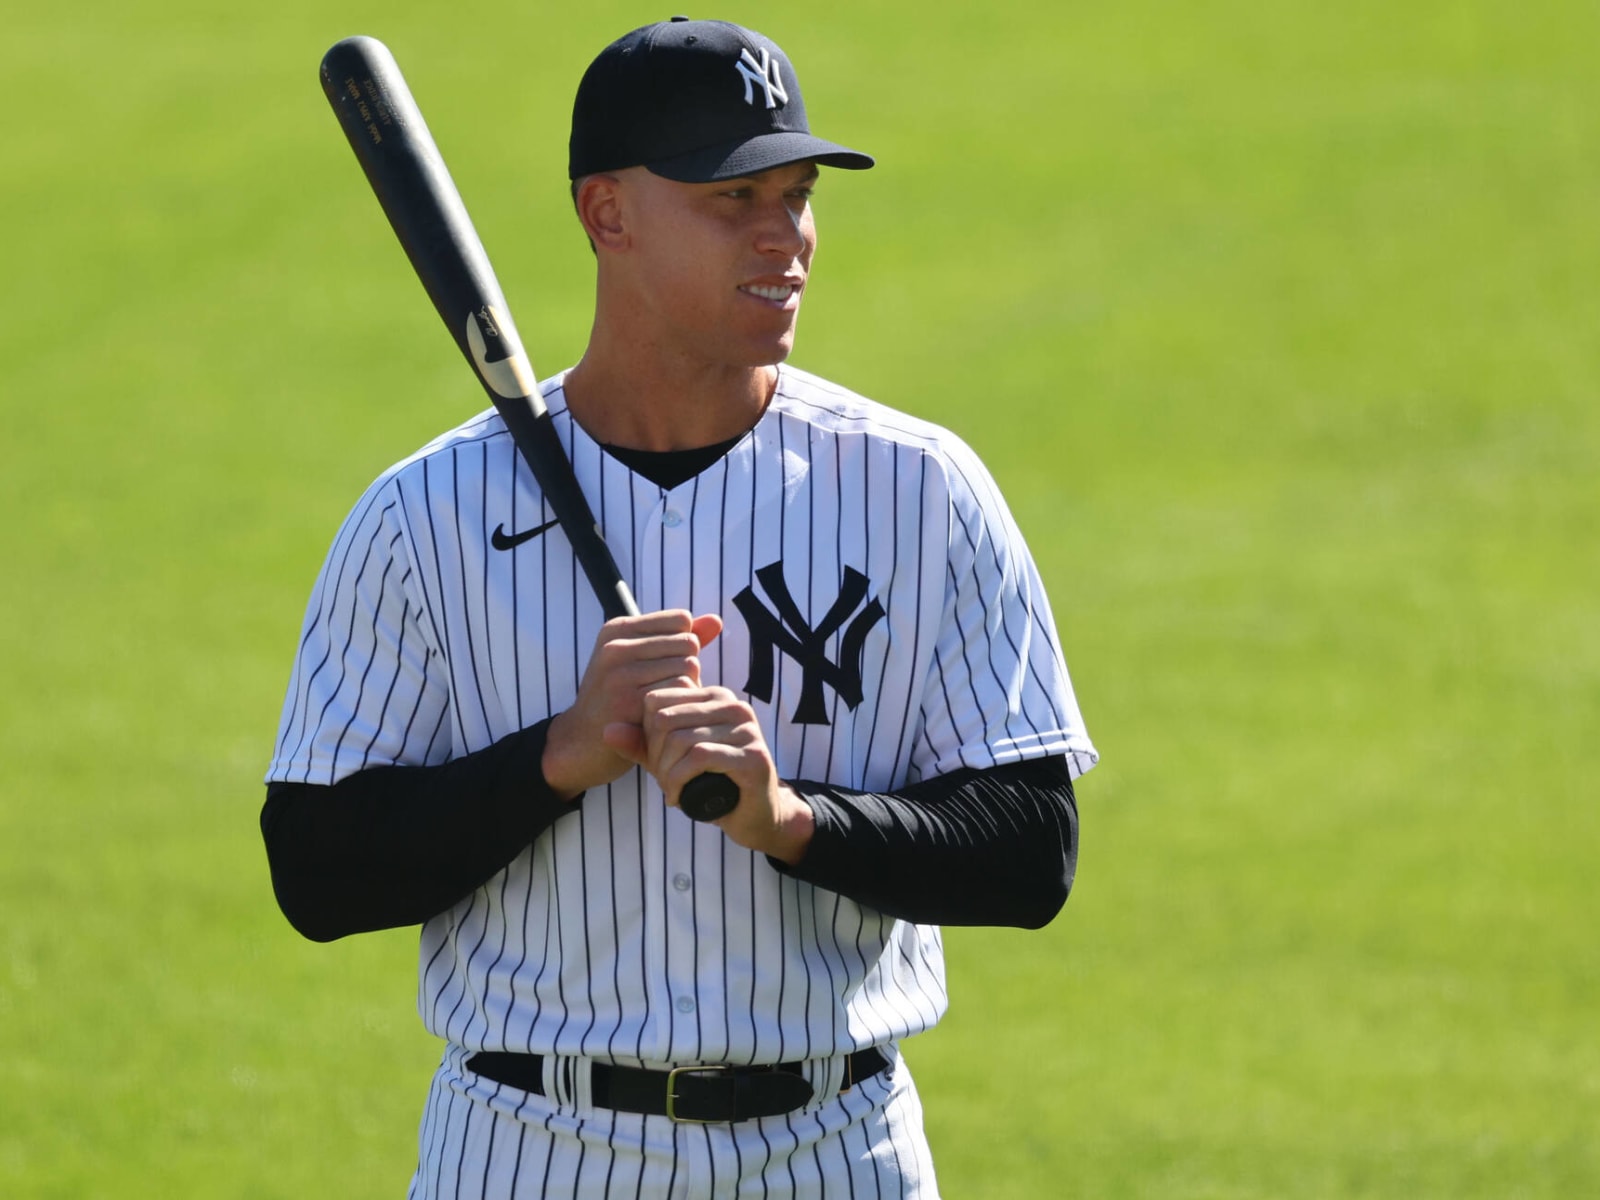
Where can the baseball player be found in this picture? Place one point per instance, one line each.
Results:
(839, 615)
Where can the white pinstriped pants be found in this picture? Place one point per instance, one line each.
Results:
(482, 1140)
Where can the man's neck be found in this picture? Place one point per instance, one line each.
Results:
(649, 402)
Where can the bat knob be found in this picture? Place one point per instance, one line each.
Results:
(708, 797)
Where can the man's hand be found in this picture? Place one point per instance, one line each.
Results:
(689, 730)
(632, 656)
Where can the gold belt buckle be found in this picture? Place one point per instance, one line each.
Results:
(672, 1091)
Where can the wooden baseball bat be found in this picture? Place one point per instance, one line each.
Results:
(385, 128)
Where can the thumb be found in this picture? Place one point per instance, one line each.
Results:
(706, 628)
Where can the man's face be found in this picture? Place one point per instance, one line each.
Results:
(715, 271)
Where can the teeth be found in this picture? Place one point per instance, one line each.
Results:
(770, 293)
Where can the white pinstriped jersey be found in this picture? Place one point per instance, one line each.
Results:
(882, 615)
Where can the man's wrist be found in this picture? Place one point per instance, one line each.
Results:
(793, 829)
(557, 768)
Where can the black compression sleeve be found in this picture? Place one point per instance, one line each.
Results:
(991, 847)
(393, 846)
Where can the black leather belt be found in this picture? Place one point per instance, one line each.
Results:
(715, 1092)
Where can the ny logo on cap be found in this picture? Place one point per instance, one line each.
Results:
(763, 72)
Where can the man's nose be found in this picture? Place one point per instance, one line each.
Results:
(783, 229)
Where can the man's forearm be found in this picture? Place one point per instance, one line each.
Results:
(393, 846)
(991, 847)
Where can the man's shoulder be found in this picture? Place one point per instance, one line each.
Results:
(486, 426)
(480, 429)
(949, 462)
(410, 481)
(828, 405)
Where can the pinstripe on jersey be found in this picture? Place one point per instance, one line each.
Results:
(628, 932)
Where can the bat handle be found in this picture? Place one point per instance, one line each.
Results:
(708, 797)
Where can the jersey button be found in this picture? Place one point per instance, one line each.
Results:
(672, 518)
(681, 882)
(685, 1004)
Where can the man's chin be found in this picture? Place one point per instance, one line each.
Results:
(777, 351)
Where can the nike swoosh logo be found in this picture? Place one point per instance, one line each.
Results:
(501, 540)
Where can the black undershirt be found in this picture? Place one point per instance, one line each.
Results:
(668, 468)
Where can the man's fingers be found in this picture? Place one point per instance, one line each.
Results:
(681, 644)
(669, 707)
(677, 721)
(654, 650)
(638, 664)
(691, 758)
(651, 624)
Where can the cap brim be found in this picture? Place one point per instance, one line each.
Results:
(734, 160)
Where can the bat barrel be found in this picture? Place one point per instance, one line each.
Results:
(381, 121)
(384, 127)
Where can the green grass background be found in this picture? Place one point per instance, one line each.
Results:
(1278, 324)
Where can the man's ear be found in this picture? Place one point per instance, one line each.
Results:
(599, 202)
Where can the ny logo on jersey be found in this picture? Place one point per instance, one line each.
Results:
(786, 632)
(762, 73)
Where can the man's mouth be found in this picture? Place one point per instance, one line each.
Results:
(778, 294)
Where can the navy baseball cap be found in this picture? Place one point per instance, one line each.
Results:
(695, 101)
